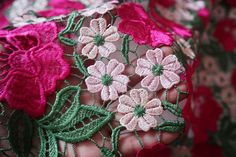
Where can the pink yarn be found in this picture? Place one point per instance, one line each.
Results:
(137, 23)
(31, 64)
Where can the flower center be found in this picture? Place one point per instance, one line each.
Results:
(157, 70)
(98, 40)
(139, 111)
(107, 80)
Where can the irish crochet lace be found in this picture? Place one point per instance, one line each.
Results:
(66, 79)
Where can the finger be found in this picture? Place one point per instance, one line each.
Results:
(130, 145)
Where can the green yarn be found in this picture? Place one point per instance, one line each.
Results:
(98, 40)
(107, 80)
(48, 144)
(173, 108)
(139, 111)
(171, 126)
(125, 48)
(157, 70)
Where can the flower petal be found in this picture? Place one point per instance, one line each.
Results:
(151, 82)
(143, 67)
(139, 96)
(171, 63)
(124, 108)
(129, 121)
(168, 79)
(31, 101)
(150, 120)
(86, 35)
(155, 56)
(98, 25)
(94, 84)
(114, 67)
(120, 83)
(52, 66)
(97, 70)
(154, 107)
(109, 93)
(142, 123)
(111, 34)
(106, 49)
(90, 50)
(126, 100)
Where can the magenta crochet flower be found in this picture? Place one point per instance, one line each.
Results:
(107, 79)
(158, 70)
(31, 63)
(137, 23)
(138, 110)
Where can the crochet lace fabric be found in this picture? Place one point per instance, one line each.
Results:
(67, 79)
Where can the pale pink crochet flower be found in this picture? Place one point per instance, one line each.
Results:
(98, 38)
(138, 110)
(158, 70)
(31, 64)
(107, 79)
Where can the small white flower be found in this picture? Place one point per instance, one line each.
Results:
(100, 9)
(26, 20)
(228, 95)
(210, 64)
(205, 78)
(98, 38)
(138, 110)
(107, 79)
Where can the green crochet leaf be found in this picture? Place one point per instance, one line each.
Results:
(173, 108)
(71, 133)
(80, 65)
(107, 152)
(20, 133)
(61, 98)
(170, 126)
(48, 144)
(115, 138)
(125, 48)
(71, 27)
(67, 116)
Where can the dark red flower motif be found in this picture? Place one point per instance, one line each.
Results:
(225, 33)
(137, 23)
(206, 150)
(30, 65)
(206, 113)
(168, 24)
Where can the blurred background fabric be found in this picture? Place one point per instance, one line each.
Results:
(210, 111)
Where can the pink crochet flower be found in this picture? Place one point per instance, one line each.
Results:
(98, 39)
(31, 64)
(138, 110)
(136, 22)
(158, 70)
(107, 79)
